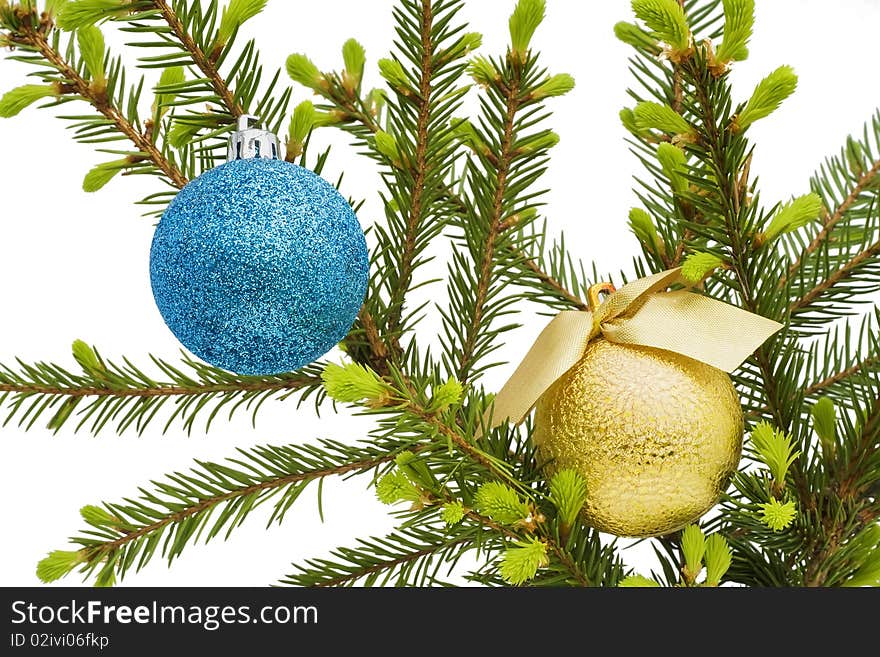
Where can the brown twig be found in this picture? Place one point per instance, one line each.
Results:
(835, 277)
(548, 280)
(681, 245)
(209, 502)
(420, 170)
(569, 563)
(840, 376)
(200, 59)
(453, 435)
(484, 280)
(349, 578)
(832, 219)
(374, 337)
(160, 391)
(79, 85)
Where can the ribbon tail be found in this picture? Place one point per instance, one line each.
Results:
(705, 329)
(559, 347)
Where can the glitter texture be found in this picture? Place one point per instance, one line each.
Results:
(259, 266)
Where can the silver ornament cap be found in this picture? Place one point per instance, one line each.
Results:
(249, 142)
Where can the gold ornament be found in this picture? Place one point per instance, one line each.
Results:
(633, 395)
(656, 435)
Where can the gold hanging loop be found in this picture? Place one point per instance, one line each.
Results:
(594, 292)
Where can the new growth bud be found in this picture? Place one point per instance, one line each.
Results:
(301, 69)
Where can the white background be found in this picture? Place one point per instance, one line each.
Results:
(74, 265)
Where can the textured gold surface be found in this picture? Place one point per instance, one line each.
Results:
(656, 435)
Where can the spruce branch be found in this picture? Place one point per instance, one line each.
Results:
(847, 358)
(855, 476)
(550, 273)
(206, 63)
(409, 557)
(509, 157)
(664, 196)
(862, 184)
(868, 367)
(833, 270)
(867, 258)
(415, 146)
(538, 272)
(725, 154)
(210, 500)
(398, 396)
(502, 502)
(554, 286)
(36, 41)
(721, 188)
(486, 261)
(452, 434)
(106, 393)
(415, 554)
(199, 38)
(416, 217)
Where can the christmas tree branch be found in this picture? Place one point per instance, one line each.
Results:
(105, 392)
(570, 299)
(322, 573)
(532, 269)
(851, 506)
(416, 149)
(74, 83)
(355, 118)
(361, 117)
(569, 564)
(206, 63)
(451, 432)
(434, 474)
(195, 38)
(860, 260)
(678, 106)
(847, 360)
(852, 483)
(833, 270)
(833, 218)
(405, 557)
(546, 281)
(420, 166)
(667, 234)
(509, 156)
(487, 260)
(726, 155)
(126, 535)
(869, 366)
(728, 160)
(824, 525)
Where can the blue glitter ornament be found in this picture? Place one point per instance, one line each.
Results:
(259, 266)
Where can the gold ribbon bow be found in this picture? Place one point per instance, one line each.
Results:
(639, 313)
